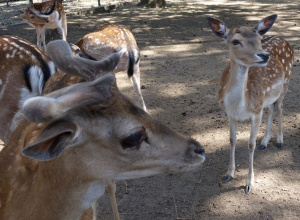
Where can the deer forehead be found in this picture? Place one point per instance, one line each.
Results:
(245, 33)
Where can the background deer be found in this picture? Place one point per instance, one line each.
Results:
(45, 15)
(257, 76)
(79, 139)
(107, 40)
(24, 70)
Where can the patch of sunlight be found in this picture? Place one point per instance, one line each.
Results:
(174, 90)
(226, 2)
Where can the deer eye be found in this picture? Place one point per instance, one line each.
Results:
(135, 140)
(235, 42)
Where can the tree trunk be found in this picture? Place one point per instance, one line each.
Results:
(153, 3)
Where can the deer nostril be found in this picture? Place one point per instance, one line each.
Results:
(198, 149)
(263, 56)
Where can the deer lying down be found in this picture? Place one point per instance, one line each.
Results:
(45, 15)
(109, 39)
(56, 165)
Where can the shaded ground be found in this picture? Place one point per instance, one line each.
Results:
(181, 65)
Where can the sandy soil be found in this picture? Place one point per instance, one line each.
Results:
(181, 65)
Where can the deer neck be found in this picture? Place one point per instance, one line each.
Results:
(74, 194)
(52, 192)
(236, 90)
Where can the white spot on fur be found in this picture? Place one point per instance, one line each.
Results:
(283, 60)
(268, 89)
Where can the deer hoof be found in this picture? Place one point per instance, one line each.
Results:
(280, 146)
(248, 189)
(262, 147)
(226, 179)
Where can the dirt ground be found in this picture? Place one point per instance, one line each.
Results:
(181, 63)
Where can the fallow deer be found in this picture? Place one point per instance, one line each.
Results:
(45, 15)
(256, 77)
(24, 70)
(107, 40)
(79, 138)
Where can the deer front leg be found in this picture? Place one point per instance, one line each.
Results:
(231, 167)
(265, 141)
(137, 85)
(38, 30)
(255, 123)
(111, 188)
(279, 134)
(43, 33)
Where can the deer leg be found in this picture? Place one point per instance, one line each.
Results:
(113, 201)
(94, 211)
(43, 33)
(266, 139)
(63, 34)
(255, 123)
(137, 85)
(279, 134)
(231, 167)
(38, 36)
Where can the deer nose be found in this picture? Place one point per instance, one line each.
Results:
(264, 57)
(196, 148)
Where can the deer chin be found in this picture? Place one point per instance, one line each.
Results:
(262, 63)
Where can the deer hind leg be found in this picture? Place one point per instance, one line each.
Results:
(111, 188)
(266, 139)
(255, 123)
(137, 85)
(231, 167)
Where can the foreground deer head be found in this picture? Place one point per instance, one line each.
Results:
(80, 138)
(45, 15)
(256, 77)
(108, 39)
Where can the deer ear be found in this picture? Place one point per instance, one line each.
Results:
(57, 136)
(218, 27)
(265, 24)
(101, 92)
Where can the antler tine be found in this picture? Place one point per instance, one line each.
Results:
(61, 54)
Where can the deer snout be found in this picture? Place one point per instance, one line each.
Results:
(264, 57)
(195, 150)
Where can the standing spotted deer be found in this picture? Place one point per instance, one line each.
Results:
(257, 76)
(45, 15)
(108, 40)
(79, 138)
